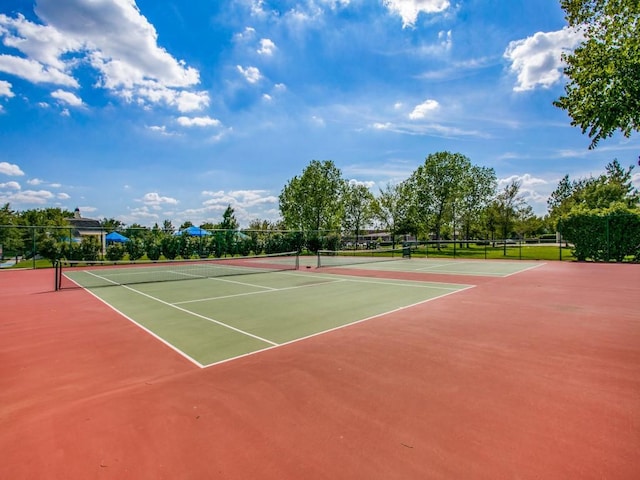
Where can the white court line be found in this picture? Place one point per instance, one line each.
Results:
(272, 290)
(340, 327)
(184, 310)
(525, 269)
(150, 332)
(272, 345)
(409, 283)
(200, 277)
(448, 264)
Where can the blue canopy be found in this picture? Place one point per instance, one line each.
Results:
(115, 237)
(195, 231)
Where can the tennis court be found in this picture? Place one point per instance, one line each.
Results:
(362, 372)
(396, 263)
(212, 311)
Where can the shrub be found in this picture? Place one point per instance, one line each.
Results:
(115, 252)
(135, 248)
(153, 249)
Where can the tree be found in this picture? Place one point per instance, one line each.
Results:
(603, 92)
(435, 186)
(111, 224)
(358, 211)
(558, 202)
(167, 227)
(615, 186)
(229, 221)
(312, 202)
(10, 237)
(391, 209)
(507, 207)
(477, 189)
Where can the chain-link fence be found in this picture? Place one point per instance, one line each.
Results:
(612, 238)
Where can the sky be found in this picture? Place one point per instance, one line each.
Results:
(152, 110)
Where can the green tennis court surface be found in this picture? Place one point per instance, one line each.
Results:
(210, 320)
(487, 268)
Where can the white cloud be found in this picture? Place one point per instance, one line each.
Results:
(10, 185)
(10, 169)
(410, 9)
(251, 74)
(34, 71)
(35, 181)
(537, 60)
(526, 181)
(198, 122)
(5, 89)
(68, 97)
(424, 109)
(113, 37)
(267, 47)
(238, 199)
(39, 197)
(63, 196)
(154, 200)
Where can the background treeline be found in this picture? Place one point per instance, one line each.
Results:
(445, 198)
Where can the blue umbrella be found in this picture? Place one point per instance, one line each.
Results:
(195, 231)
(115, 237)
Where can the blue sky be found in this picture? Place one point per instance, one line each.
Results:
(168, 109)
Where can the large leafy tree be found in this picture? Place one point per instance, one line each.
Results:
(313, 201)
(603, 92)
(358, 208)
(507, 208)
(10, 237)
(615, 186)
(391, 209)
(435, 187)
(477, 189)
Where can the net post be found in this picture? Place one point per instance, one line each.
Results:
(56, 277)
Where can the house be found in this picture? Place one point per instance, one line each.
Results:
(85, 227)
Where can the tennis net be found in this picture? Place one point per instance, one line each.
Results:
(338, 258)
(74, 274)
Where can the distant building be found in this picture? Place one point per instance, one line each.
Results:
(86, 227)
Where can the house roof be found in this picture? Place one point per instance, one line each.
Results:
(84, 226)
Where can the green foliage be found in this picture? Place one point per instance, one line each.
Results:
(219, 244)
(447, 185)
(229, 221)
(153, 249)
(245, 246)
(50, 249)
(358, 207)
(188, 246)
(614, 187)
(170, 245)
(72, 251)
(90, 247)
(135, 248)
(603, 92)
(115, 252)
(603, 237)
(391, 209)
(313, 201)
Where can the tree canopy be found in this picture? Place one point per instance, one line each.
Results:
(603, 92)
(612, 189)
(312, 202)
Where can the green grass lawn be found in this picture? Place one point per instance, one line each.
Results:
(512, 252)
